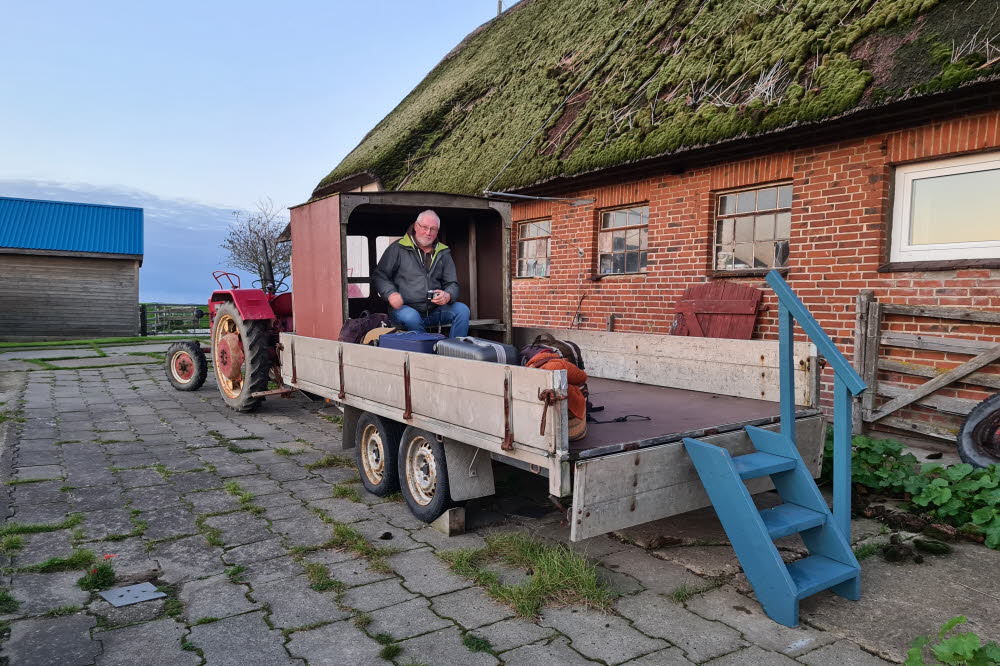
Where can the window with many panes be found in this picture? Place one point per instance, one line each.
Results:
(752, 228)
(947, 210)
(533, 248)
(622, 241)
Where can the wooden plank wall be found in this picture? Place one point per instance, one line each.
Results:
(744, 368)
(45, 297)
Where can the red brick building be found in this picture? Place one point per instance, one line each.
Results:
(857, 162)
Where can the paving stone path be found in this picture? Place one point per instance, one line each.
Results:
(120, 464)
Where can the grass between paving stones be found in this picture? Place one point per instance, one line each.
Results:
(235, 573)
(319, 578)
(11, 544)
(305, 627)
(390, 651)
(21, 482)
(362, 620)
(345, 491)
(79, 558)
(866, 550)
(558, 575)
(684, 592)
(72, 520)
(348, 538)
(140, 527)
(229, 442)
(8, 604)
(245, 497)
(66, 441)
(331, 461)
(213, 535)
(63, 610)
(101, 577)
(172, 606)
(338, 419)
(289, 452)
(477, 643)
(14, 417)
(204, 620)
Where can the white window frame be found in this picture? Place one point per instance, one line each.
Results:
(902, 250)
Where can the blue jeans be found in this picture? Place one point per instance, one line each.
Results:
(456, 314)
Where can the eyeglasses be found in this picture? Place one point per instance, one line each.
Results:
(430, 230)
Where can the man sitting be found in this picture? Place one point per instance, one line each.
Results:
(417, 277)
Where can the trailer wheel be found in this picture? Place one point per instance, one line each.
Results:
(186, 366)
(241, 357)
(376, 453)
(979, 439)
(423, 474)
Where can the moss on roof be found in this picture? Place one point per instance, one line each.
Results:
(643, 78)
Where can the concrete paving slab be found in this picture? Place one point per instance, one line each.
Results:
(191, 481)
(214, 597)
(342, 510)
(424, 573)
(46, 352)
(890, 614)
(377, 595)
(600, 635)
(242, 640)
(240, 528)
(700, 639)
(38, 472)
(405, 620)
(58, 640)
(303, 532)
(103, 361)
(444, 648)
(381, 533)
(294, 604)
(726, 605)
(40, 593)
(513, 633)
(187, 558)
(471, 608)
(212, 501)
(106, 522)
(841, 653)
(123, 616)
(555, 651)
(131, 559)
(354, 572)
(653, 573)
(752, 656)
(266, 571)
(153, 497)
(40, 547)
(255, 552)
(157, 642)
(335, 644)
(169, 522)
(138, 478)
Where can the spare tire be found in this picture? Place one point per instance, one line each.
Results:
(979, 439)
(186, 366)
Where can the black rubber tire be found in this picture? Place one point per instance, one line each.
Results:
(431, 505)
(979, 439)
(377, 481)
(256, 362)
(192, 350)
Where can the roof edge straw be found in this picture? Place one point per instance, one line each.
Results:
(573, 201)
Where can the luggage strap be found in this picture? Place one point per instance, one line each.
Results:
(499, 348)
(620, 419)
(550, 397)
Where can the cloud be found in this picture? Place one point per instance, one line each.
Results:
(181, 238)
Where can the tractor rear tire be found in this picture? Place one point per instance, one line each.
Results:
(186, 366)
(246, 375)
(979, 439)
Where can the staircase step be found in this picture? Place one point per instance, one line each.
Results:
(815, 573)
(786, 519)
(753, 465)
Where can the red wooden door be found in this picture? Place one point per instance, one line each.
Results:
(717, 310)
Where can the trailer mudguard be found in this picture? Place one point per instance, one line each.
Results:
(470, 472)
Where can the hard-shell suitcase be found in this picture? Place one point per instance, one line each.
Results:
(413, 341)
(478, 349)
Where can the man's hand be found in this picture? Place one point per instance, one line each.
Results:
(395, 300)
(441, 297)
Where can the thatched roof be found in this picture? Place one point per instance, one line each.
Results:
(578, 86)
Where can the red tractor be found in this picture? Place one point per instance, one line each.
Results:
(245, 324)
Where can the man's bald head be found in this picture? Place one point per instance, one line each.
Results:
(425, 229)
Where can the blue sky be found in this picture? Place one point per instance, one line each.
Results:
(194, 109)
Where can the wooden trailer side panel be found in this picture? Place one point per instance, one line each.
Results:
(626, 489)
(317, 256)
(470, 401)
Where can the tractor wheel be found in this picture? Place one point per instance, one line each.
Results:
(979, 440)
(376, 452)
(186, 366)
(241, 357)
(423, 474)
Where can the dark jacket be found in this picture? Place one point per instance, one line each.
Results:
(402, 269)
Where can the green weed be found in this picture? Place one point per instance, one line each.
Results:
(235, 573)
(477, 643)
(866, 550)
(21, 482)
(362, 620)
(205, 620)
(289, 452)
(347, 492)
(8, 604)
(384, 638)
(319, 578)
(390, 651)
(331, 461)
(63, 610)
(959, 648)
(11, 544)
(77, 559)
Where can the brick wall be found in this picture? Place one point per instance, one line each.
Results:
(840, 232)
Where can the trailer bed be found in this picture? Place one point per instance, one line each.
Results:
(673, 413)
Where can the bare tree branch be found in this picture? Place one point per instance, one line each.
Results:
(249, 234)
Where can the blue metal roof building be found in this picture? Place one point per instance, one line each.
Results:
(60, 226)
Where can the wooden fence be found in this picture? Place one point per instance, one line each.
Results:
(166, 318)
(873, 357)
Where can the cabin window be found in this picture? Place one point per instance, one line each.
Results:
(357, 266)
(947, 209)
(382, 244)
(533, 248)
(622, 241)
(753, 227)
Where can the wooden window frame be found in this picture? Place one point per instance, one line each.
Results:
(642, 251)
(716, 217)
(547, 237)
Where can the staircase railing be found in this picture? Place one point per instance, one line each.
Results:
(846, 383)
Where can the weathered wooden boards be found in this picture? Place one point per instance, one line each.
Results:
(455, 398)
(869, 341)
(626, 489)
(744, 368)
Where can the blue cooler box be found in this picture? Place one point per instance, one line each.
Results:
(411, 341)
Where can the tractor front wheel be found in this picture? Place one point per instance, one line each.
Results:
(187, 368)
(241, 357)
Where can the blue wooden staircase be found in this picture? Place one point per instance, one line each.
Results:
(831, 563)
